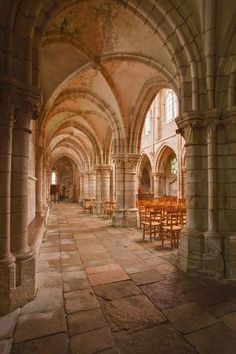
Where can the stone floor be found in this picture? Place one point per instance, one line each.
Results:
(103, 290)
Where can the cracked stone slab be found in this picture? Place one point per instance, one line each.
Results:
(137, 268)
(217, 339)
(151, 276)
(164, 294)
(117, 290)
(80, 300)
(162, 339)
(40, 324)
(83, 321)
(8, 324)
(91, 342)
(132, 313)
(189, 317)
(53, 344)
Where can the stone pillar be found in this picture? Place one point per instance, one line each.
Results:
(126, 212)
(157, 183)
(39, 184)
(81, 194)
(44, 192)
(192, 237)
(105, 182)
(7, 265)
(98, 204)
(75, 181)
(92, 185)
(25, 260)
(213, 261)
(86, 185)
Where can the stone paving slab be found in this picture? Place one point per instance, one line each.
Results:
(80, 300)
(8, 324)
(48, 266)
(83, 321)
(106, 274)
(112, 291)
(216, 339)
(151, 276)
(221, 309)
(39, 324)
(162, 339)
(230, 320)
(75, 284)
(132, 313)
(153, 309)
(137, 268)
(5, 346)
(91, 342)
(190, 317)
(164, 295)
(54, 344)
(213, 295)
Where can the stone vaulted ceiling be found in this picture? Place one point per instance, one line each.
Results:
(97, 59)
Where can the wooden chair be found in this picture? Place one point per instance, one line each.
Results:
(172, 226)
(152, 223)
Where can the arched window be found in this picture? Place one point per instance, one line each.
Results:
(147, 124)
(174, 166)
(171, 106)
(54, 177)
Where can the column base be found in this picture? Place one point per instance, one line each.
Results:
(212, 257)
(7, 284)
(17, 284)
(98, 210)
(125, 218)
(190, 251)
(230, 257)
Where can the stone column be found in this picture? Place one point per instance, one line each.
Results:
(75, 181)
(105, 182)
(86, 185)
(7, 265)
(213, 260)
(25, 260)
(98, 204)
(81, 194)
(39, 184)
(192, 237)
(157, 181)
(126, 212)
(92, 185)
(44, 192)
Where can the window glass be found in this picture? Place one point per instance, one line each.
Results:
(147, 124)
(54, 178)
(171, 109)
(174, 166)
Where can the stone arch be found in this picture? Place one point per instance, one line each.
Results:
(144, 170)
(162, 161)
(141, 107)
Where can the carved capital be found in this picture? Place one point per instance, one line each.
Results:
(127, 161)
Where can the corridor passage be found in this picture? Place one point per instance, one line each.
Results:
(102, 289)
